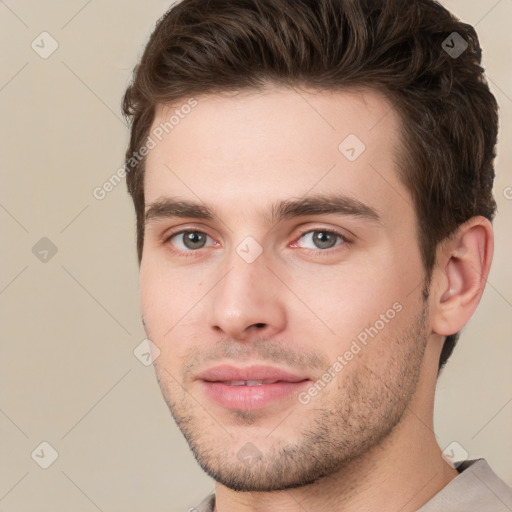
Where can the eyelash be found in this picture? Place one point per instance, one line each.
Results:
(343, 238)
(192, 253)
(184, 254)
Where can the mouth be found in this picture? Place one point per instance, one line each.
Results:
(250, 382)
(250, 388)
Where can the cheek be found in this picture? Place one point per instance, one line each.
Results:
(170, 301)
(164, 298)
(343, 301)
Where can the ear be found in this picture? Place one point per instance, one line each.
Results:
(460, 275)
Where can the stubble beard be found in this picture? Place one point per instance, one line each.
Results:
(338, 428)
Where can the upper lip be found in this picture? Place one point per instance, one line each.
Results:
(227, 373)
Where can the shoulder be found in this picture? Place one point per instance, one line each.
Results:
(475, 489)
(207, 505)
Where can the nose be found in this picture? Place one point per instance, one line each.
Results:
(248, 302)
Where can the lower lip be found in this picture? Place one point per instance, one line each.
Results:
(248, 398)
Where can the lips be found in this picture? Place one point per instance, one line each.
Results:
(250, 382)
(250, 388)
(254, 373)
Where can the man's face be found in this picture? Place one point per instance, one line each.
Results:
(291, 339)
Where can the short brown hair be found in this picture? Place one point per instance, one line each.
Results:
(408, 50)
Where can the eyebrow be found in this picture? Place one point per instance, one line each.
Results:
(338, 204)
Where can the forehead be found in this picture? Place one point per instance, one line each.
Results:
(250, 148)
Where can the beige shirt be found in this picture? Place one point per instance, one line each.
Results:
(476, 489)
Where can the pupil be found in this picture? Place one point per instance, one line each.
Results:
(193, 240)
(322, 239)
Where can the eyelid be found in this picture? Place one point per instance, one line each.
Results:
(176, 230)
(167, 237)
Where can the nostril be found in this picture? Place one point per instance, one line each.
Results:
(259, 325)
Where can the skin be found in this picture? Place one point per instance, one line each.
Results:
(366, 440)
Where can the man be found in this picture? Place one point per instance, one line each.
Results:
(313, 189)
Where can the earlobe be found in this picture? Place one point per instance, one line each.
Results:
(460, 277)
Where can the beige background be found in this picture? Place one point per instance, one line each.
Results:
(70, 325)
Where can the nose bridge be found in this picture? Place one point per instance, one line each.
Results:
(246, 298)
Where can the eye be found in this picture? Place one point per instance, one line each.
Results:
(188, 241)
(321, 239)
